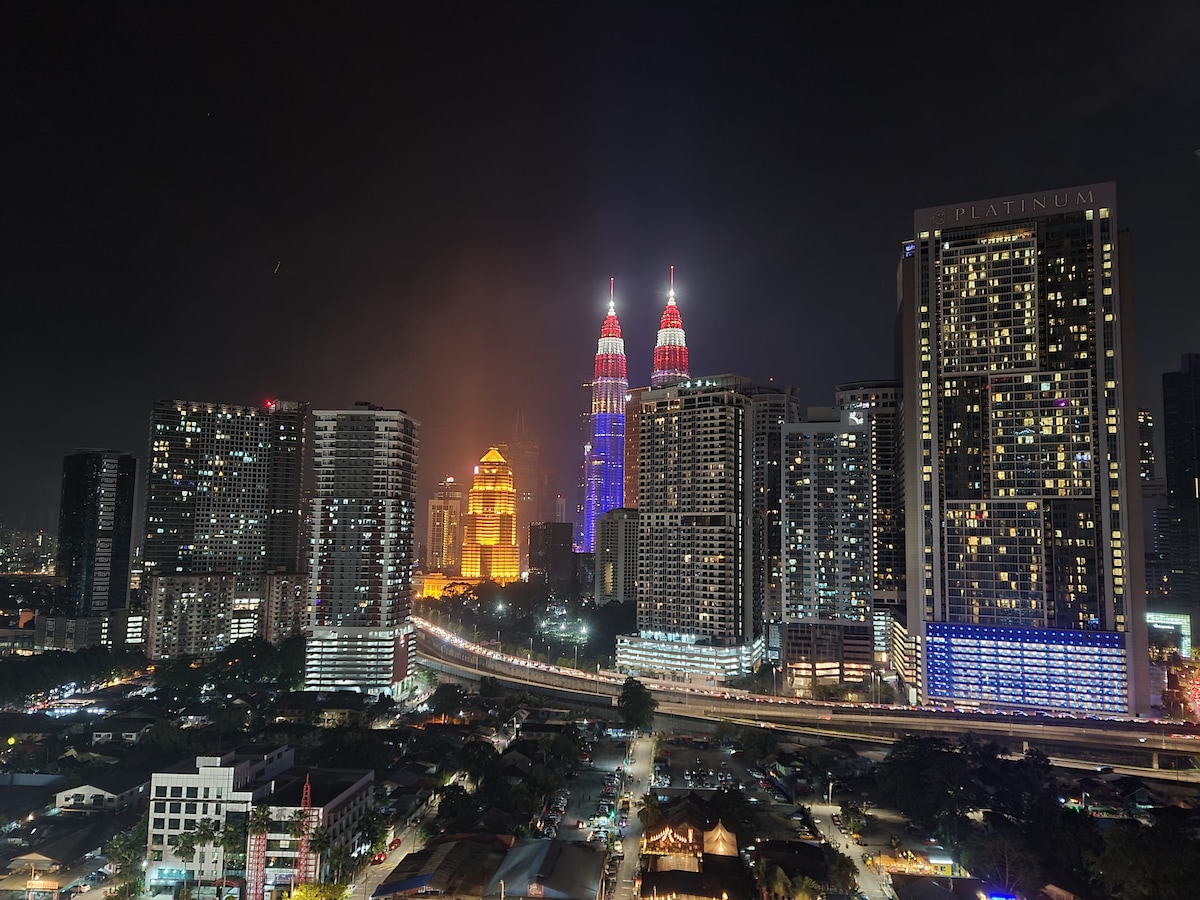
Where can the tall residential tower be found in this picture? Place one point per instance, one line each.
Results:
(1024, 579)
(360, 636)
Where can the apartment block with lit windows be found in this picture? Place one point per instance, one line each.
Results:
(1024, 544)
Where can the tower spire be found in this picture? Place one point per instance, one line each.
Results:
(670, 351)
(604, 456)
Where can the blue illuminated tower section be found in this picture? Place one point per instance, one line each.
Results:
(604, 458)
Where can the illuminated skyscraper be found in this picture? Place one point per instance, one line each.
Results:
(445, 524)
(490, 525)
(1181, 415)
(223, 487)
(1024, 572)
(670, 350)
(359, 636)
(604, 460)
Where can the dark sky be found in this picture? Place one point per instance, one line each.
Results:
(446, 189)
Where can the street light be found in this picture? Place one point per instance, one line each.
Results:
(576, 656)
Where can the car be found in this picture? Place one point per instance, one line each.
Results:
(395, 843)
(378, 858)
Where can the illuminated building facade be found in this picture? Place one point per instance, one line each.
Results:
(223, 488)
(490, 525)
(445, 527)
(670, 349)
(1024, 579)
(695, 551)
(827, 526)
(359, 636)
(604, 459)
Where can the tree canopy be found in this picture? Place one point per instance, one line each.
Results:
(637, 704)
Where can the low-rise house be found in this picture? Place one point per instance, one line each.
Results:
(127, 730)
(109, 791)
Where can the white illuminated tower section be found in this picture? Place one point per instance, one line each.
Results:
(359, 636)
(670, 350)
(604, 459)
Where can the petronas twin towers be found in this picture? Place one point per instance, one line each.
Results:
(604, 455)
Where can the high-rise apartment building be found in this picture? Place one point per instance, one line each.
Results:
(616, 556)
(1181, 417)
(604, 460)
(189, 615)
(1024, 579)
(445, 527)
(695, 612)
(490, 525)
(223, 489)
(95, 526)
(827, 525)
(360, 635)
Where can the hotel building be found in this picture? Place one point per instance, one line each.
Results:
(1024, 553)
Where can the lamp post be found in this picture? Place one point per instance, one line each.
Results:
(531, 649)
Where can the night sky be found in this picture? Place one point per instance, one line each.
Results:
(421, 205)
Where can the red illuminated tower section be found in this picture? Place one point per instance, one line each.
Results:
(604, 457)
(670, 351)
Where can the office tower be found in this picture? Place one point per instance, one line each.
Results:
(223, 489)
(1181, 417)
(360, 634)
(489, 527)
(445, 527)
(633, 418)
(604, 463)
(95, 525)
(695, 614)
(616, 556)
(551, 556)
(1024, 579)
(1145, 428)
(524, 456)
(670, 349)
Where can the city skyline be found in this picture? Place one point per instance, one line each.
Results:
(378, 225)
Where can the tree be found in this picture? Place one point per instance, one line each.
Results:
(1003, 859)
(637, 704)
(205, 834)
(775, 882)
(448, 699)
(341, 863)
(478, 760)
(232, 841)
(319, 844)
(805, 887)
(126, 853)
(185, 849)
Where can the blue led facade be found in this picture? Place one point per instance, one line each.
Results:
(1075, 671)
(605, 465)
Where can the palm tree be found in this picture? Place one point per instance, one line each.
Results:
(127, 854)
(258, 824)
(185, 849)
(776, 882)
(232, 841)
(319, 843)
(341, 862)
(205, 834)
(805, 887)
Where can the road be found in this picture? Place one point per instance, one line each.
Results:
(1144, 740)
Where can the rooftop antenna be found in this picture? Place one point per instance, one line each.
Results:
(671, 293)
(612, 296)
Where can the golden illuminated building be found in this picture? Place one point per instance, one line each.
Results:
(490, 525)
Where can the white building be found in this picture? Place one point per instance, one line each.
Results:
(359, 635)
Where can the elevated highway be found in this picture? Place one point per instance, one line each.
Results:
(1133, 744)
